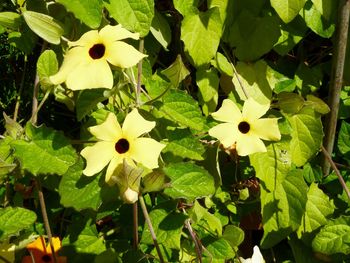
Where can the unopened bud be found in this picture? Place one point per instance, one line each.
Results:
(130, 196)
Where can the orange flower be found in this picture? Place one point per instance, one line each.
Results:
(42, 253)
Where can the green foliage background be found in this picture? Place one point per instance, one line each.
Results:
(205, 204)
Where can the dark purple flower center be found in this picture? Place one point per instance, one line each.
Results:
(122, 146)
(46, 258)
(97, 51)
(244, 127)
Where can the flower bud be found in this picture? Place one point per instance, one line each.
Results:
(130, 196)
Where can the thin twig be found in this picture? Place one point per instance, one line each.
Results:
(34, 118)
(4, 259)
(46, 219)
(139, 74)
(18, 99)
(336, 79)
(195, 240)
(235, 72)
(151, 230)
(136, 226)
(341, 179)
(35, 114)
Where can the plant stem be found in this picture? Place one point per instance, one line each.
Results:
(151, 230)
(235, 72)
(136, 226)
(45, 219)
(139, 74)
(34, 117)
(336, 79)
(18, 99)
(195, 240)
(341, 179)
(35, 114)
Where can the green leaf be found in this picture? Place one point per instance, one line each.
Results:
(233, 235)
(47, 65)
(202, 219)
(287, 9)
(283, 192)
(283, 208)
(46, 152)
(291, 34)
(250, 29)
(253, 78)
(201, 33)
(182, 108)
(160, 29)
(208, 84)
(134, 15)
(167, 225)
(221, 63)
(176, 72)
(290, 102)
(44, 26)
(86, 241)
(333, 239)
(279, 82)
(87, 101)
(10, 20)
(79, 191)
(89, 12)
(188, 181)
(154, 181)
(344, 138)
(317, 104)
(186, 7)
(218, 249)
(316, 22)
(24, 40)
(325, 7)
(307, 134)
(14, 219)
(318, 208)
(183, 143)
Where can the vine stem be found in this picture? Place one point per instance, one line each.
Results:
(235, 72)
(34, 120)
(151, 230)
(46, 219)
(139, 74)
(195, 240)
(334, 166)
(336, 79)
(136, 226)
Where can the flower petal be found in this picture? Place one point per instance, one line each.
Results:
(229, 112)
(146, 151)
(123, 55)
(92, 75)
(253, 110)
(39, 244)
(248, 144)
(86, 40)
(257, 256)
(97, 157)
(109, 130)
(115, 162)
(135, 125)
(56, 245)
(114, 33)
(73, 58)
(267, 129)
(226, 133)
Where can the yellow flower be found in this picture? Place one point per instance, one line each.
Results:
(116, 143)
(256, 257)
(244, 130)
(42, 253)
(85, 65)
